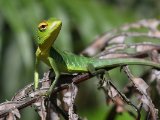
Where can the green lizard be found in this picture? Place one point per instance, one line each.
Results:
(65, 62)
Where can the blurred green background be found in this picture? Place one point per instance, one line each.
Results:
(83, 21)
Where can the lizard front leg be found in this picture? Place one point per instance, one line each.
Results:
(57, 74)
(36, 75)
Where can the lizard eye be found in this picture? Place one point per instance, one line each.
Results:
(42, 26)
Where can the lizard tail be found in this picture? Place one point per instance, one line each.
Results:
(115, 62)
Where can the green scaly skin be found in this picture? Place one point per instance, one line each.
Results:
(65, 62)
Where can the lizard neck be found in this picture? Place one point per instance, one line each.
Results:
(42, 53)
(45, 47)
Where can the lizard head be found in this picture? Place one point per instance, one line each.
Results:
(48, 32)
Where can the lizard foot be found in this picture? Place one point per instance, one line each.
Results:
(48, 93)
